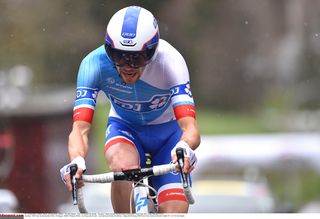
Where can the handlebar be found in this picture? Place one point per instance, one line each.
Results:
(130, 175)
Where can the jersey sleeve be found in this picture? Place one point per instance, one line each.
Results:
(181, 96)
(87, 89)
(182, 100)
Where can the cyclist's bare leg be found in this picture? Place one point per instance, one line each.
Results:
(121, 156)
(173, 206)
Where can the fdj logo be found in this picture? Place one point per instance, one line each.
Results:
(155, 103)
(181, 89)
(126, 105)
(86, 93)
(81, 93)
(140, 202)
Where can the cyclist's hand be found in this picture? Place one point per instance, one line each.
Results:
(190, 159)
(65, 172)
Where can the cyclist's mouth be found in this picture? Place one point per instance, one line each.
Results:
(129, 74)
(129, 77)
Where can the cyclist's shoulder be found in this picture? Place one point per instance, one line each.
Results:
(171, 61)
(93, 65)
(167, 52)
(166, 47)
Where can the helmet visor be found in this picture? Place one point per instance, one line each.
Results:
(134, 59)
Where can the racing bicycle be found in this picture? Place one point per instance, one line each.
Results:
(143, 193)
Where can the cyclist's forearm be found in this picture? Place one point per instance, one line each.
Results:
(190, 132)
(78, 141)
(77, 146)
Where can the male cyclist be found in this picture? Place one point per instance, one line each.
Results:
(152, 110)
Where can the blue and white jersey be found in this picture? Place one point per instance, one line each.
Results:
(161, 94)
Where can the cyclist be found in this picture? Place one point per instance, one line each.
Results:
(152, 110)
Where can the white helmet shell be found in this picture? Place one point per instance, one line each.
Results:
(132, 29)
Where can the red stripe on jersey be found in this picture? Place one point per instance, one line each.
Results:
(184, 110)
(83, 114)
(171, 195)
(115, 141)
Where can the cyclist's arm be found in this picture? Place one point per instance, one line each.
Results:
(191, 136)
(78, 147)
(84, 106)
(185, 113)
(85, 103)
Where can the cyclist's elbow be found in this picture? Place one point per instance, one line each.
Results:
(81, 127)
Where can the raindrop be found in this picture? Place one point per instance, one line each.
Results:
(246, 22)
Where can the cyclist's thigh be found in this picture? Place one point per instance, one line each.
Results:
(122, 145)
(168, 186)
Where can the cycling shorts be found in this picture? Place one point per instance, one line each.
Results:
(158, 141)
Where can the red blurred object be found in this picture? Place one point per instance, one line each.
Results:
(6, 140)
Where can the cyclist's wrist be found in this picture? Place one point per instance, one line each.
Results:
(188, 152)
(80, 162)
(181, 144)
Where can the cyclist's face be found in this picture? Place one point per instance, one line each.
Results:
(130, 75)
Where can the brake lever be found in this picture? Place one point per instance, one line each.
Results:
(180, 159)
(73, 170)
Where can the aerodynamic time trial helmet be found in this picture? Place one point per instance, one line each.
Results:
(132, 37)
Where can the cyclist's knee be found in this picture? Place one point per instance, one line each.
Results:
(122, 156)
(174, 206)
